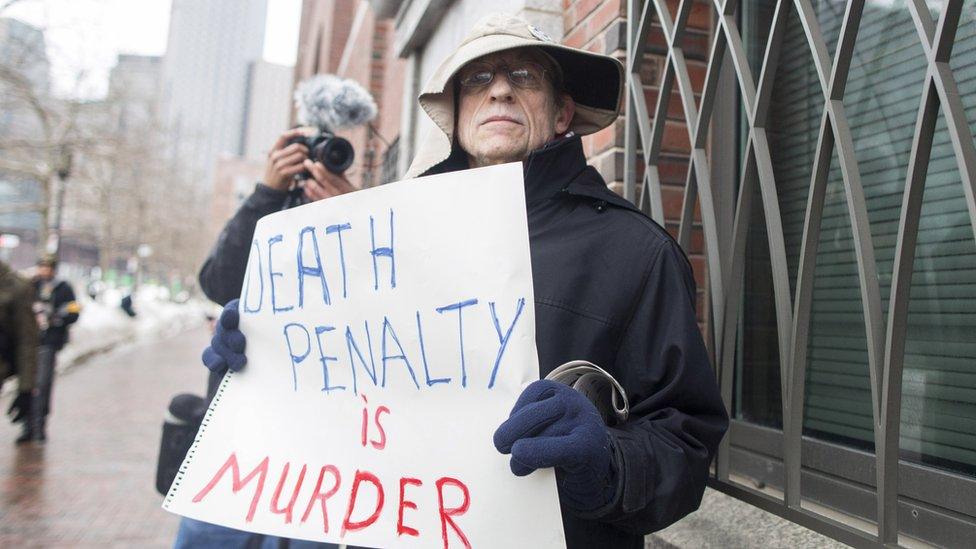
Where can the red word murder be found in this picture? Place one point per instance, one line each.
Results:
(355, 518)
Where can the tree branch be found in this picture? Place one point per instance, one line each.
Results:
(31, 207)
(24, 168)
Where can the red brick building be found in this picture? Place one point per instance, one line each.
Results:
(346, 38)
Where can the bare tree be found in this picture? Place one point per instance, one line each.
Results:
(36, 146)
(127, 188)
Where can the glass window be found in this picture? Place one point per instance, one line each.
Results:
(881, 102)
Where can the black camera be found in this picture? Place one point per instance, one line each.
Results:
(335, 153)
(329, 103)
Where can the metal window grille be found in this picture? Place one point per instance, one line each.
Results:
(885, 334)
(391, 159)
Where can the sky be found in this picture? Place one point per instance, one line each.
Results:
(89, 34)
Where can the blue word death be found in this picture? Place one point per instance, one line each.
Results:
(263, 284)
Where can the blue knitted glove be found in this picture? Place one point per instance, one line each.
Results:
(552, 425)
(226, 349)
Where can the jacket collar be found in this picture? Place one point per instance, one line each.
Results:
(550, 169)
(558, 167)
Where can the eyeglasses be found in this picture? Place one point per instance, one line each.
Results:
(524, 75)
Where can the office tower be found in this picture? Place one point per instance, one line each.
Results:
(205, 78)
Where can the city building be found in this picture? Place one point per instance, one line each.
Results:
(210, 48)
(23, 56)
(234, 180)
(134, 84)
(267, 115)
(347, 38)
(108, 201)
(268, 107)
(22, 46)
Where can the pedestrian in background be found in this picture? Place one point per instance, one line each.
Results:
(18, 343)
(55, 309)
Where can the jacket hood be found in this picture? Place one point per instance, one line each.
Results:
(597, 106)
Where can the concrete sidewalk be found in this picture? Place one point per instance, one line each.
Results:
(92, 483)
(723, 522)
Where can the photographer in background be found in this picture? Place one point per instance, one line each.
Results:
(305, 164)
(296, 173)
(222, 273)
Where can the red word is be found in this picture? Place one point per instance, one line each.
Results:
(378, 443)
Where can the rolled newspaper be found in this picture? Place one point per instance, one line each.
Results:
(596, 384)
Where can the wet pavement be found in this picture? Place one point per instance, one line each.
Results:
(92, 483)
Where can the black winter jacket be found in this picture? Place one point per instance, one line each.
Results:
(611, 287)
(57, 299)
(18, 329)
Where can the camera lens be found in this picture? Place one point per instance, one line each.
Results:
(335, 153)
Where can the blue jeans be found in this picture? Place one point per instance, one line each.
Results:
(194, 534)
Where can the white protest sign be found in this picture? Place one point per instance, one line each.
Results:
(389, 332)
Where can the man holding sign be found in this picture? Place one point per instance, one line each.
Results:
(609, 285)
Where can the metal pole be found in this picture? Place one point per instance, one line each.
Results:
(630, 121)
(64, 172)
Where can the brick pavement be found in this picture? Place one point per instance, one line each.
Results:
(92, 484)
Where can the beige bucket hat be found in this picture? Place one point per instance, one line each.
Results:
(594, 81)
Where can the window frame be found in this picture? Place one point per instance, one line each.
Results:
(914, 500)
(932, 503)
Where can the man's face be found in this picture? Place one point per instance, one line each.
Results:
(501, 122)
(45, 272)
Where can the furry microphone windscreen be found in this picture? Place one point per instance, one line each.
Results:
(330, 103)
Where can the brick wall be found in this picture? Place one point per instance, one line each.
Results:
(390, 94)
(601, 26)
(324, 30)
(356, 64)
(594, 25)
(332, 40)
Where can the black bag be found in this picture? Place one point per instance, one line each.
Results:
(180, 427)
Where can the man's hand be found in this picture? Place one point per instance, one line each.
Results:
(20, 407)
(40, 315)
(323, 183)
(553, 425)
(285, 161)
(226, 349)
